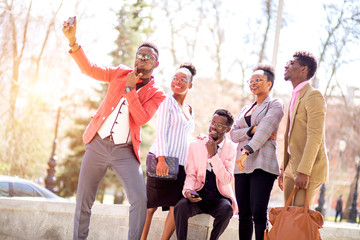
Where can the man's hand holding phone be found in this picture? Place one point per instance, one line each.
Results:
(71, 21)
(193, 196)
(69, 30)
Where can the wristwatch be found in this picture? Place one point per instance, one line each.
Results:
(128, 89)
(245, 152)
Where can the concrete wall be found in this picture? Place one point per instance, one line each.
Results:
(38, 220)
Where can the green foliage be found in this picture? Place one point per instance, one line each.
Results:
(4, 167)
(68, 170)
(131, 21)
(25, 146)
(148, 134)
(68, 179)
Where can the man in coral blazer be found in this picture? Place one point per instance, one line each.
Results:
(305, 163)
(209, 174)
(113, 136)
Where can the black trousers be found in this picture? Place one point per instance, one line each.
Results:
(219, 208)
(339, 213)
(252, 195)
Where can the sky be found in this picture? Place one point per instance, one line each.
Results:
(302, 31)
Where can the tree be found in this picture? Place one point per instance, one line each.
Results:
(342, 35)
(269, 15)
(19, 44)
(211, 9)
(24, 49)
(130, 25)
(339, 127)
(70, 166)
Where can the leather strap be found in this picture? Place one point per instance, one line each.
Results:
(290, 199)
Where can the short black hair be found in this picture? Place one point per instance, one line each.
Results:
(150, 45)
(190, 67)
(268, 71)
(307, 59)
(227, 114)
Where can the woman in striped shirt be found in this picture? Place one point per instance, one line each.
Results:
(175, 124)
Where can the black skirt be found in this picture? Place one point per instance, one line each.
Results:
(165, 193)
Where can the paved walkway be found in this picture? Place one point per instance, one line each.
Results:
(340, 231)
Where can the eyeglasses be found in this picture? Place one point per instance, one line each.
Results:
(257, 80)
(219, 126)
(292, 62)
(146, 56)
(183, 79)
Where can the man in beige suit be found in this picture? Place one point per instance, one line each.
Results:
(305, 163)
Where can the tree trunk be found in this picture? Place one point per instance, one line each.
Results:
(349, 200)
(268, 12)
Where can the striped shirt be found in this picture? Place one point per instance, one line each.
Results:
(173, 131)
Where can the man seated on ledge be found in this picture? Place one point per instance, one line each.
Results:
(209, 173)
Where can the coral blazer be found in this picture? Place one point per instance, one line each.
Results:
(142, 104)
(305, 137)
(223, 167)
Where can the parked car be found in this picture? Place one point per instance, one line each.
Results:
(14, 187)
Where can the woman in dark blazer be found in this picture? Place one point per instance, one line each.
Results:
(256, 165)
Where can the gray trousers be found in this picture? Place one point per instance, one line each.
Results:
(100, 154)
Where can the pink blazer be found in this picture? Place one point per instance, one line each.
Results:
(223, 167)
(142, 104)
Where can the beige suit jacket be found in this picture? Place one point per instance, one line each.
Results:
(305, 137)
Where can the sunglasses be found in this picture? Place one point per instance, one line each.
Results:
(146, 56)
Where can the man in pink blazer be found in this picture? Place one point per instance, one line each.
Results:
(113, 136)
(209, 174)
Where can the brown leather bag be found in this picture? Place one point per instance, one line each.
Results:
(292, 222)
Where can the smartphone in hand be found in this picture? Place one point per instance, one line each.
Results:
(71, 21)
(194, 194)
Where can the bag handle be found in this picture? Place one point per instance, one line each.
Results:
(289, 200)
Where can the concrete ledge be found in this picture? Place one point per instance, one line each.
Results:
(42, 220)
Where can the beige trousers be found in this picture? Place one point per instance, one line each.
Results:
(299, 198)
